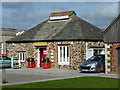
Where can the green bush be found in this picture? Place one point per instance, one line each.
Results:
(30, 59)
(45, 59)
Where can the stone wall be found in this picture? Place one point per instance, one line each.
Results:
(77, 51)
(14, 48)
(112, 58)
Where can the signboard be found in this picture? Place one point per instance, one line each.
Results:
(40, 44)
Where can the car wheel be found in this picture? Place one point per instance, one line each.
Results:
(98, 69)
(103, 69)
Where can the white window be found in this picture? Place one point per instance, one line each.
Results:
(63, 55)
(22, 56)
(59, 17)
(94, 51)
(89, 53)
(1, 47)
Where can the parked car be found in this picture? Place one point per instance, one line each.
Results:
(5, 62)
(93, 64)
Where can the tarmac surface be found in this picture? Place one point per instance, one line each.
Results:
(29, 75)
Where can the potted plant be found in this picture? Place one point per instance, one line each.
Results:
(31, 62)
(45, 59)
(46, 63)
(30, 59)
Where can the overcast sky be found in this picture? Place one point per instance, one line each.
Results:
(25, 15)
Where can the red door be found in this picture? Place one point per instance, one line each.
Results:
(42, 55)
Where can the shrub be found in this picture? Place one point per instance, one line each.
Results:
(45, 59)
(30, 59)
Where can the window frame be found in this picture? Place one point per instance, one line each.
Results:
(98, 51)
(92, 53)
(1, 47)
(63, 55)
(21, 56)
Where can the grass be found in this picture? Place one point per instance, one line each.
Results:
(81, 82)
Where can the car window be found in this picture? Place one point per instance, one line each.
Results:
(96, 58)
(6, 58)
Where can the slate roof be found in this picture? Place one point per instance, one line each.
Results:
(7, 31)
(112, 31)
(113, 22)
(73, 29)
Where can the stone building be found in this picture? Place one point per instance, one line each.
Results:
(5, 34)
(64, 37)
(112, 46)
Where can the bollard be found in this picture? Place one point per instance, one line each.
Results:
(12, 63)
(4, 78)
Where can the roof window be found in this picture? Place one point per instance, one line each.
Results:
(61, 15)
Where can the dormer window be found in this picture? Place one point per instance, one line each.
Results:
(61, 15)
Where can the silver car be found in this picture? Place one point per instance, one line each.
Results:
(5, 62)
(93, 64)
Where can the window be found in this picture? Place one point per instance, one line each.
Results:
(22, 56)
(97, 51)
(63, 55)
(89, 53)
(1, 48)
(94, 51)
(64, 17)
(97, 58)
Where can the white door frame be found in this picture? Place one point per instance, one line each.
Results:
(38, 56)
(38, 60)
(62, 62)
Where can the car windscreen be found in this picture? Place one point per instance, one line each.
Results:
(5, 58)
(96, 58)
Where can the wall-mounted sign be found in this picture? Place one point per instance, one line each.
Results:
(40, 44)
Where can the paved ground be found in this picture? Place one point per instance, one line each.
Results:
(27, 75)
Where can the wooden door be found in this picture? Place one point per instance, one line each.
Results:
(42, 55)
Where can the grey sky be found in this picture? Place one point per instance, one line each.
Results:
(25, 15)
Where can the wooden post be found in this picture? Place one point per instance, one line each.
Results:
(19, 63)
